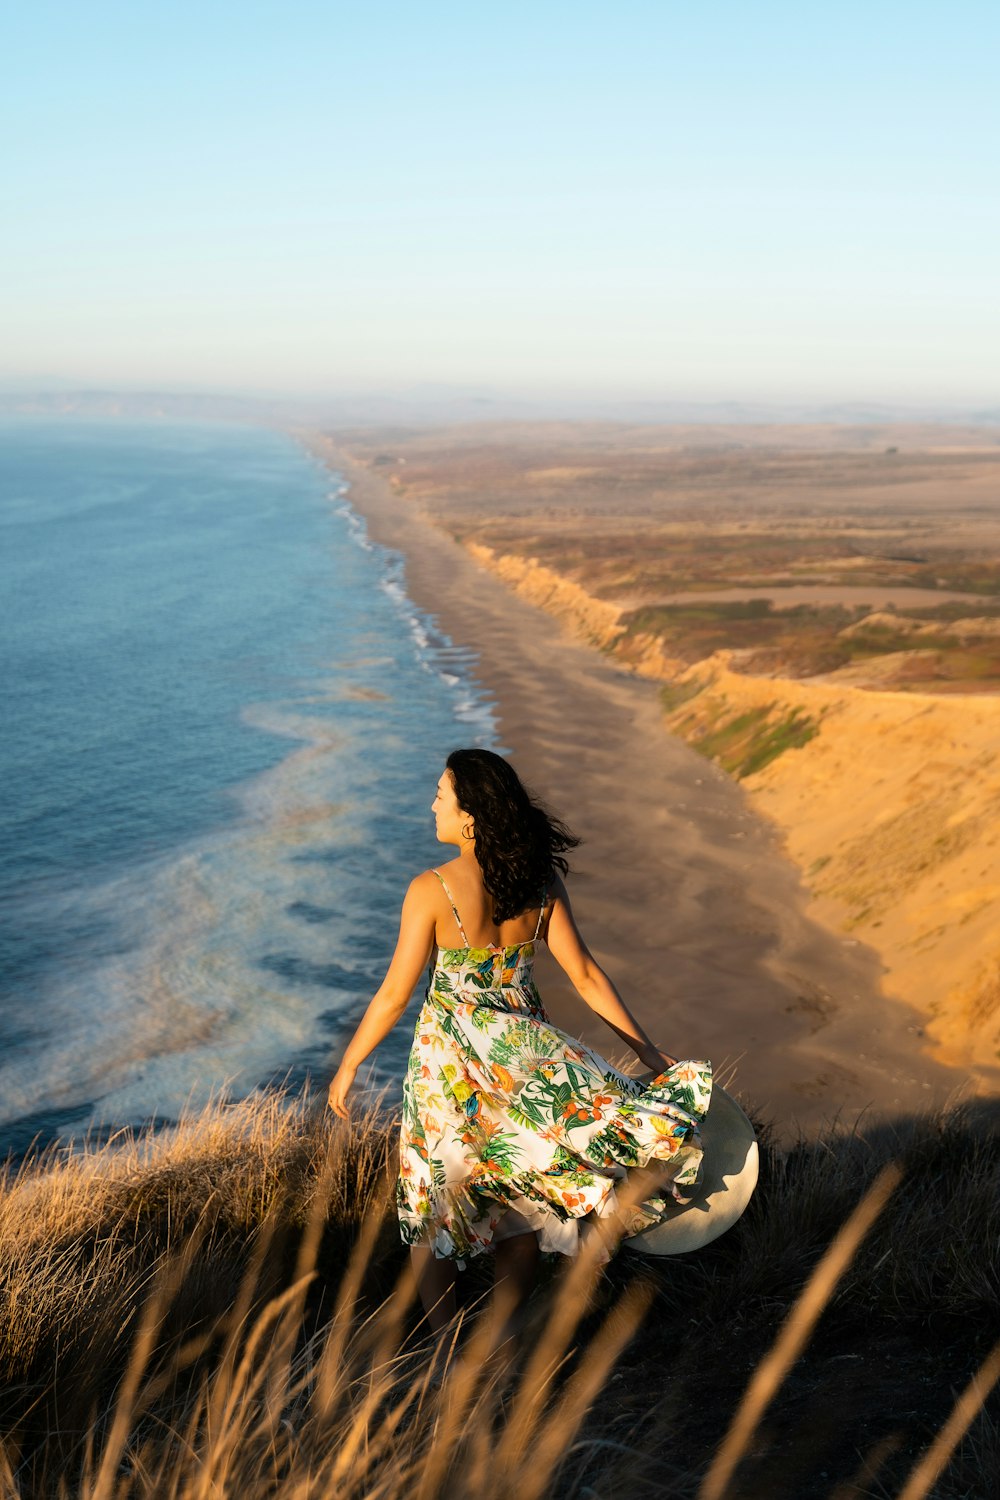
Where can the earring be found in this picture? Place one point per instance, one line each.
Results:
(467, 831)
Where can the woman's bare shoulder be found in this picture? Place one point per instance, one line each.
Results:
(434, 882)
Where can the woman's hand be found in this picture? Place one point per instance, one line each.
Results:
(339, 1086)
(656, 1059)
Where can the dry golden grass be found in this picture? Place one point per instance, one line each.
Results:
(225, 1309)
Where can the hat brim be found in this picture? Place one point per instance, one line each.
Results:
(729, 1175)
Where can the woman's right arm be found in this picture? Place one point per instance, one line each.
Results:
(593, 985)
(413, 950)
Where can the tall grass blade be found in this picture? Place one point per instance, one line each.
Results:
(331, 1372)
(571, 1304)
(582, 1389)
(795, 1332)
(963, 1414)
(165, 1285)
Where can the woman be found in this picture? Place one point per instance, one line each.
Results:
(514, 1133)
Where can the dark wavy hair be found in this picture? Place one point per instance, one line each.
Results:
(519, 845)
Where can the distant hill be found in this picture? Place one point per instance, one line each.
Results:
(432, 405)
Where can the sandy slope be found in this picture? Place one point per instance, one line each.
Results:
(893, 812)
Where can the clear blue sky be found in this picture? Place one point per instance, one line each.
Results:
(733, 200)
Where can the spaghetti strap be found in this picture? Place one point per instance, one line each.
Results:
(541, 914)
(454, 908)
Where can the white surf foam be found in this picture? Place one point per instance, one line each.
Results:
(454, 665)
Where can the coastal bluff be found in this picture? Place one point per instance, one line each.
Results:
(889, 803)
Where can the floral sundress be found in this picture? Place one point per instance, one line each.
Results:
(510, 1124)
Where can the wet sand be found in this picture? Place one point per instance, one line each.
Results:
(681, 891)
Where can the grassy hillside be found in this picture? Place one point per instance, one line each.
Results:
(225, 1309)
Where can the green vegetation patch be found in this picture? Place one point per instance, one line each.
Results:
(964, 577)
(807, 639)
(674, 695)
(882, 640)
(656, 619)
(804, 637)
(949, 612)
(753, 739)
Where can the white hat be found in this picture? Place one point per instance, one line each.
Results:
(729, 1176)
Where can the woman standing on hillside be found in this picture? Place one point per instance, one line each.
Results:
(513, 1133)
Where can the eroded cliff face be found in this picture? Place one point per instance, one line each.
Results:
(591, 619)
(889, 803)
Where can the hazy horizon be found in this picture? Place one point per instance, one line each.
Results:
(435, 405)
(560, 204)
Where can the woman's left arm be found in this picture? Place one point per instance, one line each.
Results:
(593, 985)
(413, 950)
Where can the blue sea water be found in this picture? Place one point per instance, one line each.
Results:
(223, 722)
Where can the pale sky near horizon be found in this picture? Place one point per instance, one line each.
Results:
(725, 201)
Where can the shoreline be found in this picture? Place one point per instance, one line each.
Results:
(682, 890)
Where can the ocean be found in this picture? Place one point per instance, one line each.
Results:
(223, 723)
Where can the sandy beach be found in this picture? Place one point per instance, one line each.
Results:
(682, 892)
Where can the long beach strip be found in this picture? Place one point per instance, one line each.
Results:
(680, 889)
